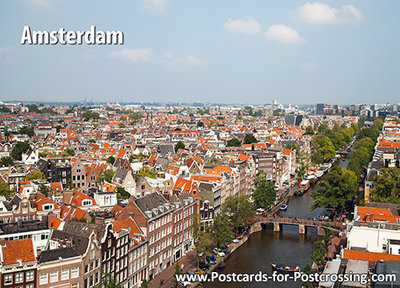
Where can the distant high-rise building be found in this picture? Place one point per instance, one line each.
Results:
(275, 102)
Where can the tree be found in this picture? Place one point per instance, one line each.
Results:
(6, 161)
(264, 193)
(249, 139)
(340, 186)
(319, 253)
(35, 175)
(147, 171)
(179, 145)
(122, 193)
(109, 282)
(121, 125)
(309, 130)
(4, 188)
(387, 185)
(18, 149)
(111, 160)
(176, 272)
(238, 209)
(90, 115)
(69, 152)
(221, 230)
(323, 148)
(200, 124)
(105, 176)
(27, 131)
(201, 238)
(144, 284)
(45, 190)
(234, 142)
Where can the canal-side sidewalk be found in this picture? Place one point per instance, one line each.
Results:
(164, 279)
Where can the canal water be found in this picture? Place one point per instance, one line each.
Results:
(266, 247)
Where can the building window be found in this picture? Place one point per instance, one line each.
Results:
(75, 272)
(65, 274)
(30, 276)
(53, 277)
(19, 277)
(8, 279)
(43, 279)
(86, 268)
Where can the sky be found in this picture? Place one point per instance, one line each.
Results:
(218, 51)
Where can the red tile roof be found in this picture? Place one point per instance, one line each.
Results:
(21, 249)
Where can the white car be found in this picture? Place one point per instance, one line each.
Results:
(235, 241)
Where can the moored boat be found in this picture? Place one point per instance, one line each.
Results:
(283, 207)
(284, 269)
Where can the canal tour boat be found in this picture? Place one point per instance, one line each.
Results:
(283, 207)
(284, 269)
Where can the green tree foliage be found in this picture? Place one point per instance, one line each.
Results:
(69, 152)
(121, 125)
(201, 237)
(249, 139)
(200, 124)
(147, 171)
(109, 282)
(18, 149)
(176, 272)
(319, 253)
(90, 115)
(122, 193)
(363, 148)
(387, 186)
(111, 160)
(323, 149)
(221, 230)
(26, 131)
(45, 190)
(6, 161)
(105, 176)
(234, 142)
(4, 189)
(339, 186)
(144, 284)
(309, 130)
(276, 112)
(179, 145)
(4, 109)
(35, 175)
(264, 193)
(238, 209)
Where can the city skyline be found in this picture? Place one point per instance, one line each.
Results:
(298, 52)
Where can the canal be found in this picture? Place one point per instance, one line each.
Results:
(266, 247)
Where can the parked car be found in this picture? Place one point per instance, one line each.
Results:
(211, 259)
(235, 240)
(203, 266)
(219, 252)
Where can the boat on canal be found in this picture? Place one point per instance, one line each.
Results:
(283, 207)
(284, 269)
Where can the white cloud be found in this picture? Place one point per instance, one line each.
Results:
(193, 61)
(319, 13)
(249, 26)
(284, 34)
(158, 4)
(171, 60)
(135, 55)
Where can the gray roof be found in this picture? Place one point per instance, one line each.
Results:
(150, 201)
(388, 267)
(56, 254)
(79, 242)
(84, 229)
